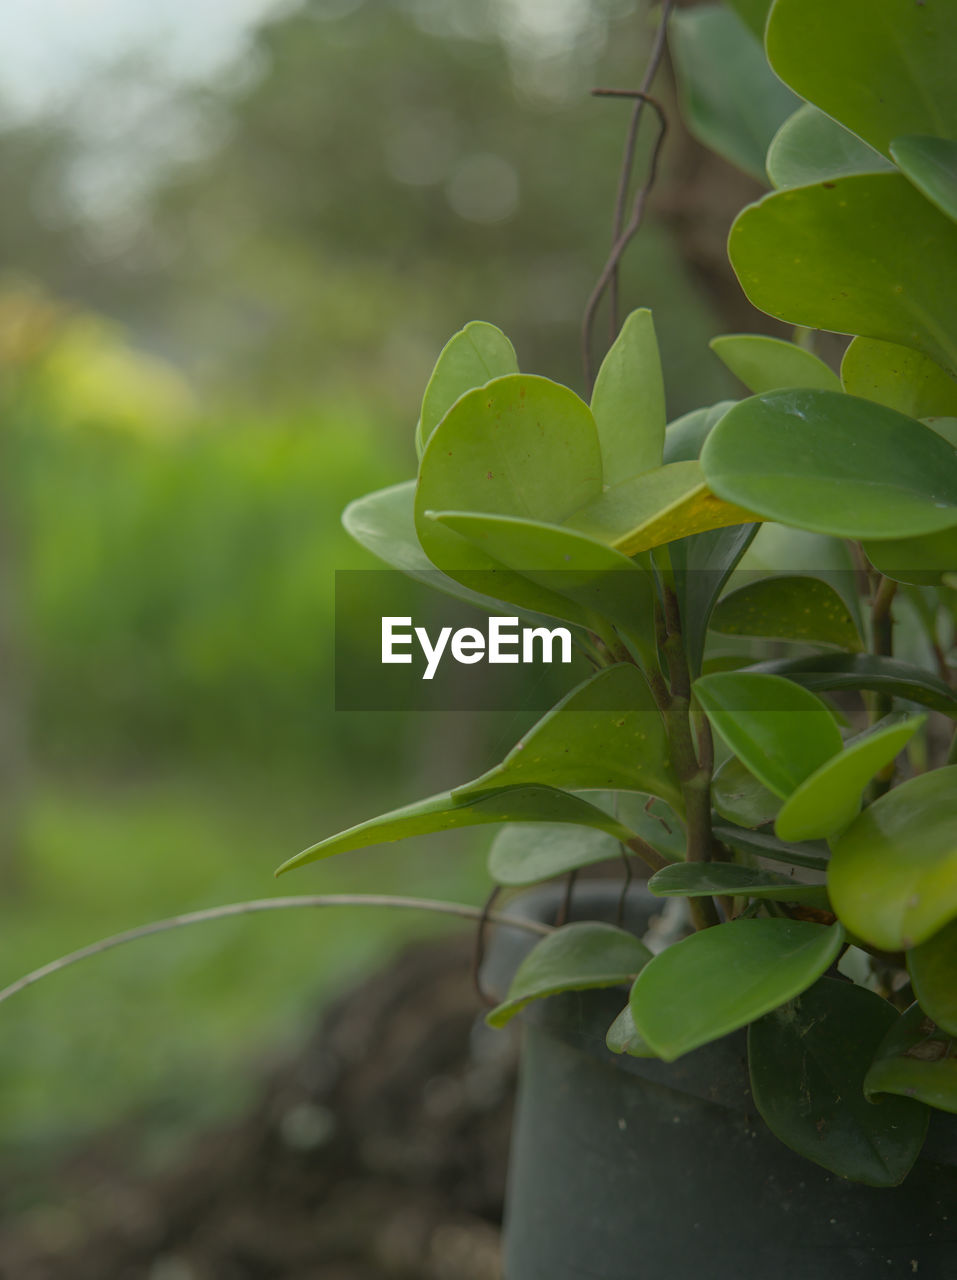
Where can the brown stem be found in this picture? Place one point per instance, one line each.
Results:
(622, 235)
(631, 142)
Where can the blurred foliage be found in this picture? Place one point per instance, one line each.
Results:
(176, 575)
(205, 352)
(372, 177)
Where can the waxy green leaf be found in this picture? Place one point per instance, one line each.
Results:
(623, 1037)
(794, 607)
(721, 979)
(703, 562)
(473, 356)
(685, 436)
(829, 800)
(628, 402)
(605, 735)
(443, 812)
(591, 574)
(899, 377)
(780, 732)
(931, 164)
(383, 523)
(933, 971)
(763, 845)
(808, 1062)
(740, 798)
(832, 671)
(519, 446)
(766, 364)
(752, 12)
(811, 147)
(922, 562)
(656, 507)
(730, 99)
(577, 957)
(863, 254)
(915, 1060)
(893, 873)
(700, 879)
(833, 464)
(702, 565)
(528, 853)
(880, 67)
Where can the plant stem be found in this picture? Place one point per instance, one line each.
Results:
(459, 909)
(694, 774)
(882, 643)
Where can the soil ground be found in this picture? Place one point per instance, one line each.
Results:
(378, 1153)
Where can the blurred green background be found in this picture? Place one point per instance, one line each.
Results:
(229, 254)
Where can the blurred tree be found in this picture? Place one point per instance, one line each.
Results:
(381, 173)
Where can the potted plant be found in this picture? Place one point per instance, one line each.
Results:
(767, 593)
(815, 844)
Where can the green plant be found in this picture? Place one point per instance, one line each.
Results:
(694, 746)
(843, 960)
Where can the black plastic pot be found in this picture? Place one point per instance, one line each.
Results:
(635, 1169)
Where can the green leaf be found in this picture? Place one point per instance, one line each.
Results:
(931, 164)
(530, 853)
(917, 1061)
(765, 364)
(730, 99)
(623, 1037)
(700, 879)
(893, 873)
(788, 608)
(752, 12)
(443, 812)
(811, 147)
(921, 562)
(863, 254)
(605, 735)
(762, 845)
(808, 1062)
(933, 971)
(740, 798)
(722, 978)
(833, 464)
(945, 427)
(685, 436)
(527, 854)
(656, 507)
(471, 358)
(520, 446)
(880, 67)
(830, 799)
(577, 957)
(833, 671)
(781, 732)
(628, 402)
(383, 523)
(899, 377)
(593, 575)
(702, 563)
